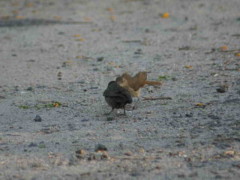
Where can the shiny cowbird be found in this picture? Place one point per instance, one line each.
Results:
(116, 96)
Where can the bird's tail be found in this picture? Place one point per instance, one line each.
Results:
(153, 83)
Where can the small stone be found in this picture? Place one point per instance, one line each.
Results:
(61, 33)
(128, 153)
(38, 118)
(32, 144)
(189, 115)
(147, 30)
(135, 174)
(110, 118)
(139, 51)
(2, 97)
(213, 117)
(99, 59)
(193, 174)
(181, 175)
(100, 147)
(174, 79)
(31, 60)
(222, 89)
(29, 89)
(59, 74)
(41, 87)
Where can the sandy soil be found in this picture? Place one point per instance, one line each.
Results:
(57, 58)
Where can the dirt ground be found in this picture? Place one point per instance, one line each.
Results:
(57, 58)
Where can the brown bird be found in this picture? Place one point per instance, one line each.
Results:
(116, 96)
(133, 84)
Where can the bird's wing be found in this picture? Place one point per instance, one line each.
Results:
(139, 80)
(126, 94)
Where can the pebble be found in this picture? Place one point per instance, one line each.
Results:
(99, 59)
(189, 115)
(32, 145)
(222, 89)
(110, 118)
(128, 153)
(139, 51)
(29, 89)
(38, 118)
(100, 147)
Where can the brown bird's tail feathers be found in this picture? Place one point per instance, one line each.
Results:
(153, 83)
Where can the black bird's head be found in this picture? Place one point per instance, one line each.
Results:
(111, 82)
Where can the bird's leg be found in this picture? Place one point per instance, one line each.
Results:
(124, 110)
(135, 104)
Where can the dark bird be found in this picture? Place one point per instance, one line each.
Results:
(116, 96)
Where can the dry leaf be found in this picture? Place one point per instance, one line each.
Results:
(76, 35)
(237, 54)
(230, 152)
(113, 64)
(113, 18)
(165, 15)
(188, 66)
(87, 19)
(80, 39)
(20, 17)
(81, 152)
(79, 57)
(200, 105)
(84, 57)
(57, 17)
(110, 9)
(56, 104)
(223, 48)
